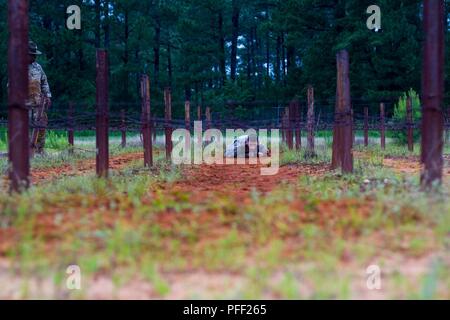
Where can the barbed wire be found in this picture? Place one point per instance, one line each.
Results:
(132, 121)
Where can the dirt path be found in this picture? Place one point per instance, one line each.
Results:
(82, 167)
(232, 179)
(239, 180)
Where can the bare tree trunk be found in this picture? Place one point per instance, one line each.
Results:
(222, 63)
(156, 50)
(259, 58)
(290, 59)
(268, 56)
(126, 57)
(283, 59)
(234, 40)
(249, 57)
(278, 62)
(106, 27)
(97, 24)
(80, 53)
(253, 54)
(169, 64)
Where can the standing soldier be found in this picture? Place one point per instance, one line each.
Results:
(39, 97)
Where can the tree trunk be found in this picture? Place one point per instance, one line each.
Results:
(277, 61)
(80, 52)
(283, 58)
(253, 54)
(97, 24)
(156, 50)
(268, 56)
(126, 57)
(106, 28)
(169, 64)
(234, 40)
(290, 59)
(249, 57)
(259, 58)
(222, 63)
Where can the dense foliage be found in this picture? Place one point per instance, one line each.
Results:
(400, 114)
(215, 51)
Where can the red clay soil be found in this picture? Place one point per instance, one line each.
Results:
(199, 182)
(82, 167)
(216, 178)
(240, 180)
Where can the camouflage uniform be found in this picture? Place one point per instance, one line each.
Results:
(38, 88)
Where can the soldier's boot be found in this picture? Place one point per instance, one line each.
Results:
(40, 144)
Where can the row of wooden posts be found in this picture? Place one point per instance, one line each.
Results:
(146, 119)
(432, 130)
(148, 130)
(291, 119)
(291, 125)
(432, 142)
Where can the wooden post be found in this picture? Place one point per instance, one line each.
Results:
(352, 117)
(168, 120)
(123, 129)
(70, 131)
(447, 125)
(409, 124)
(290, 127)
(199, 113)
(433, 92)
(366, 126)
(296, 123)
(286, 126)
(102, 135)
(187, 115)
(342, 138)
(146, 121)
(18, 126)
(382, 127)
(208, 122)
(310, 148)
(208, 117)
(336, 155)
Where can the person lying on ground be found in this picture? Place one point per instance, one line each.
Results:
(246, 147)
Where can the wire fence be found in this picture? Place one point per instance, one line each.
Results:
(262, 116)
